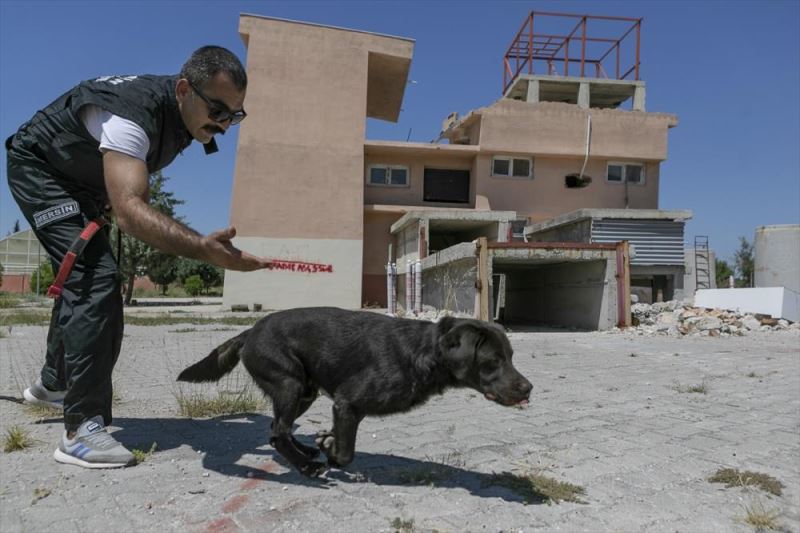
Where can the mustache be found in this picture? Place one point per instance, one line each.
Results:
(215, 130)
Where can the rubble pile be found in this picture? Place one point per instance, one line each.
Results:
(431, 313)
(676, 319)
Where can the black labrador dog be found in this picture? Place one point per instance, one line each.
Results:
(369, 364)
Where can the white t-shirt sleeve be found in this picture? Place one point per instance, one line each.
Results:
(114, 132)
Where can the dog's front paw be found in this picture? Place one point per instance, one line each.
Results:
(313, 469)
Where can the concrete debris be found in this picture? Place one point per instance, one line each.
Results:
(676, 319)
(432, 314)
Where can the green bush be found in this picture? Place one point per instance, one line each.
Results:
(7, 301)
(45, 271)
(193, 285)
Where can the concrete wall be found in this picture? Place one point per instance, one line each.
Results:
(559, 129)
(16, 283)
(777, 256)
(275, 289)
(579, 294)
(580, 231)
(407, 246)
(451, 286)
(377, 239)
(778, 302)
(546, 196)
(298, 189)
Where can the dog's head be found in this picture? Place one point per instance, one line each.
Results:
(479, 356)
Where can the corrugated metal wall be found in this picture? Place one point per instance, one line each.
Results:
(657, 242)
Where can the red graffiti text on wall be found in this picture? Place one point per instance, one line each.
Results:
(300, 266)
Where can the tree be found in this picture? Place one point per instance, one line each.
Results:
(137, 257)
(724, 272)
(44, 275)
(743, 263)
(16, 226)
(210, 275)
(162, 269)
(193, 285)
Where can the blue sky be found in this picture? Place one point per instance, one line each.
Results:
(729, 70)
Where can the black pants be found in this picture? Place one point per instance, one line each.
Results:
(85, 334)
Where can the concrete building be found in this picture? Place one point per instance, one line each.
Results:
(20, 254)
(310, 188)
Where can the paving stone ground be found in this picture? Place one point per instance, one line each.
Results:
(609, 412)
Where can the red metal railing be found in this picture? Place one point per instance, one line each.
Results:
(529, 49)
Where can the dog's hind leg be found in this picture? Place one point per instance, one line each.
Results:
(339, 445)
(309, 396)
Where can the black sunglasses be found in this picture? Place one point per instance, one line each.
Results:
(217, 112)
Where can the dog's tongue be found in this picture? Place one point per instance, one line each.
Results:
(522, 403)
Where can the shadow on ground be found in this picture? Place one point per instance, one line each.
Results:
(225, 440)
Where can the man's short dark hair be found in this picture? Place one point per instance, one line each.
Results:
(208, 61)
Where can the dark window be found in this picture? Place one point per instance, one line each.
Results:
(615, 172)
(522, 168)
(398, 176)
(633, 173)
(500, 166)
(446, 186)
(377, 175)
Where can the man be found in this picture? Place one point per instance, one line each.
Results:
(91, 151)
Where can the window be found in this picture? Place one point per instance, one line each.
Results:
(512, 167)
(622, 172)
(442, 185)
(388, 175)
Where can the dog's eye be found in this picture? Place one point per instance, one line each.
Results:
(488, 367)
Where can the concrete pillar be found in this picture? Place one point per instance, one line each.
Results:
(533, 91)
(583, 95)
(638, 98)
(502, 231)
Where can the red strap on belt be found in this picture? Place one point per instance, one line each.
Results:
(72, 255)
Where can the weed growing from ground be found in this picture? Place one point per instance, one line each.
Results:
(16, 438)
(701, 388)
(140, 455)
(761, 518)
(402, 526)
(732, 477)
(536, 488)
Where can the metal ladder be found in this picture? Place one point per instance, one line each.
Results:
(702, 268)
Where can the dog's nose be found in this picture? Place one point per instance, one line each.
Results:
(525, 387)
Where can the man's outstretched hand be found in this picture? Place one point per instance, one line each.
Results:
(221, 252)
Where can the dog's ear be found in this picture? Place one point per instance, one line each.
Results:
(458, 347)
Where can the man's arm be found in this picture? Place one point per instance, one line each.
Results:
(127, 184)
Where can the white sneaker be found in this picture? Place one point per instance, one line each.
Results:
(38, 394)
(93, 447)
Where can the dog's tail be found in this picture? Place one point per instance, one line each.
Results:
(219, 362)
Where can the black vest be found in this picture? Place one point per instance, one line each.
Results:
(57, 135)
